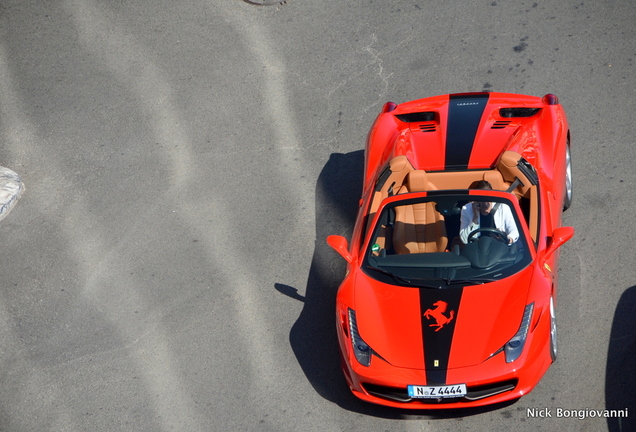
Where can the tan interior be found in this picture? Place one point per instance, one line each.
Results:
(420, 228)
(500, 178)
(399, 167)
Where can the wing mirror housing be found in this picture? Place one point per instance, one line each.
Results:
(560, 236)
(340, 245)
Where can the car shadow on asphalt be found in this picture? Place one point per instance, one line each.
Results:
(620, 372)
(313, 336)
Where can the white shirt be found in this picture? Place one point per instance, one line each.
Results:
(502, 217)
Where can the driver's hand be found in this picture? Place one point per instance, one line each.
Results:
(510, 241)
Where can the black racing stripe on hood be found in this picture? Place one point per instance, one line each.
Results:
(464, 116)
(439, 314)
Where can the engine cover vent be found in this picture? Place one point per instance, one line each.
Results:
(500, 124)
(428, 127)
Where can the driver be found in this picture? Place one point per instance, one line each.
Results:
(481, 214)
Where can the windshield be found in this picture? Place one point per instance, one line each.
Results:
(445, 239)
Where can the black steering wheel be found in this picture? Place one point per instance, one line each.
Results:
(495, 233)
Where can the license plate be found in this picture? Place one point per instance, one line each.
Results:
(448, 391)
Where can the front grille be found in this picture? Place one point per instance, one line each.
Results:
(400, 394)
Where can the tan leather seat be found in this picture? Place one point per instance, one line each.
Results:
(495, 179)
(418, 228)
(508, 166)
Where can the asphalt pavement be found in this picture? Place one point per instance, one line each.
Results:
(166, 268)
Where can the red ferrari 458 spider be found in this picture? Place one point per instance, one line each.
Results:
(451, 283)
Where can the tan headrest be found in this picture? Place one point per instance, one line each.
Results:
(509, 169)
(398, 163)
(510, 159)
(417, 181)
(495, 179)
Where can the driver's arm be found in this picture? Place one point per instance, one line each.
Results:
(467, 222)
(509, 225)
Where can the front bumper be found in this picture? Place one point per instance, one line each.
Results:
(493, 381)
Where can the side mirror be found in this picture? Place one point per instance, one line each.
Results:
(340, 245)
(559, 237)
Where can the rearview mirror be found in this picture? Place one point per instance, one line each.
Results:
(559, 237)
(340, 245)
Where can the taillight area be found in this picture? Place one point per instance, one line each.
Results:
(550, 99)
(388, 107)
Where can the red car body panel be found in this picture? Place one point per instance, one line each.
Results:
(426, 336)
(392, 325)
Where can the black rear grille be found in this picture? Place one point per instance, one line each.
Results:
(500, 124)
(400, 394)
(428, 127)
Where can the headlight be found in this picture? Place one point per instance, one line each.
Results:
(360, 348)
(514, 347)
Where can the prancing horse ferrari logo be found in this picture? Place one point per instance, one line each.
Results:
(438, 315)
